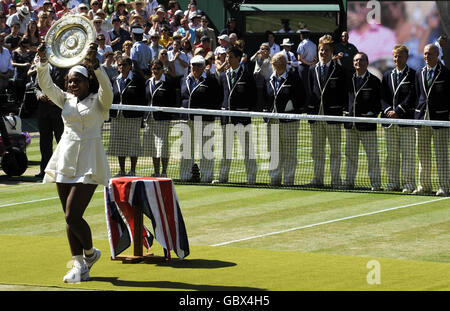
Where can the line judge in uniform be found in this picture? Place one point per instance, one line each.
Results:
(79, 162)
(284, 93)
(239, 89)
(328, 93)
(363, 101)
(433, 92)
(125, 141)
(198, 91)
(398, 100)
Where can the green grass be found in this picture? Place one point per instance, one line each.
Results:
(270, 239)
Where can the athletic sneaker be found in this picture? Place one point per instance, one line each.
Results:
(77, 274)
(92, 259)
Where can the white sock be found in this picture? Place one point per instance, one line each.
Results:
(89, 252)
(79, 260)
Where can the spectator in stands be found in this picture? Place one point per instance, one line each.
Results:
(398, 101)
(166, 39)
(118, 35)
(345, 52)
(83, 9)
(274, 48)
(284, 94)
(204, 30)
(124, 141)
(126, 49)
(328, 95)
(32, 33)
(95, 5)
(6, 68)
(433, 91)
(110, 66)
(220, 63)
(21, 59)
(139, 8)
(364, 101)
(168, 66)
(286, 27)
(12, 40)
(22, 16)
(154, 45)
(224, 44)
(98, 22)
(262, 71)
(187, 47)
(3, 27)
(210, 67)
(172, 7)
(160, 91)
(141, 54)
(64, 11)
(192, 10)
(231, 28)
(205, 44)
(102, 47)
(151, 6)
(441, 42)
(120, 9)
(187, 32)
(43, 23)
(179, 59)
(199, 91)
(306, 55)
(239, 89)
(196, 22)
(292, 63)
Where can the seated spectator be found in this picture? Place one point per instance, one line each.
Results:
(151, 6)
(205, 44)
(3, 27)
(172, 7)
(102, 47)
(154, 45)
(179, 59)
(126, 50)
(32, 34)
(139, 8)
(12, 40)
(98, 22)
(165, 40)
(231, 28)
(168, 66)
(120, 9)
(192, 10)
(118, 35)
(224, 43)
(220, 62)
(22, 16)
(95, 5)
(204, 30)
(110, 66)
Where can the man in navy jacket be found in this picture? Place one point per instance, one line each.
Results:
(364, 101)
(239, 89)
(199, 90)
(433, 92)
(328, 94)
(285, 94)
(398, 100)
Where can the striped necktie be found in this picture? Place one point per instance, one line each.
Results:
(429, 77)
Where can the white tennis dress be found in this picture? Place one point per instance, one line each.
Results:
(80, 154)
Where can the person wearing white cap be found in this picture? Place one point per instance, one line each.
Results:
(224, 44)
(199, 90)
(22, 16)
(79, 162)
(292, 63)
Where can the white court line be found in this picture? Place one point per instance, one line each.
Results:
(327, 222)
(34, 201)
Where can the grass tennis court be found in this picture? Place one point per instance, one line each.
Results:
(240, 239)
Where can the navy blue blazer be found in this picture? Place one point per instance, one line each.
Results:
(364, 101)
(205, 95)
(400, 98)
(332, 94)
(162, 94)
(436, 97)
(132, 94)
(289, 98)
(240, 96)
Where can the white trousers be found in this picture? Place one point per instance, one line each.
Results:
(400, 158)
(369, 141)
(245, 137)
(440, 139)
(320, 131)
(197, 137)
(285, 139)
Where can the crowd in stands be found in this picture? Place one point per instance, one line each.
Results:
(146, 32)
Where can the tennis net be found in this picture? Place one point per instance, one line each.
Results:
(279, 150)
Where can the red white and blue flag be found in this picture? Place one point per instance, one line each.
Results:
(157, 199)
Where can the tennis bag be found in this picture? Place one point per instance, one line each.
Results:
(14, 162)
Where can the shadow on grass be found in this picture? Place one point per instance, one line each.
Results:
(172, 285)
(196, 264)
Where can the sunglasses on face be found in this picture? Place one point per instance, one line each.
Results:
(157, 68)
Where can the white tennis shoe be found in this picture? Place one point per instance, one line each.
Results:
(77, 274)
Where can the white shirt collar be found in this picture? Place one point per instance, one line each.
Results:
(434, 68)
(163, 78)
(327, 64)
(274, 75)
(129, 77)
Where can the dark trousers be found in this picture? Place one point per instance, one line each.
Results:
(303, 71)
(49, 127)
